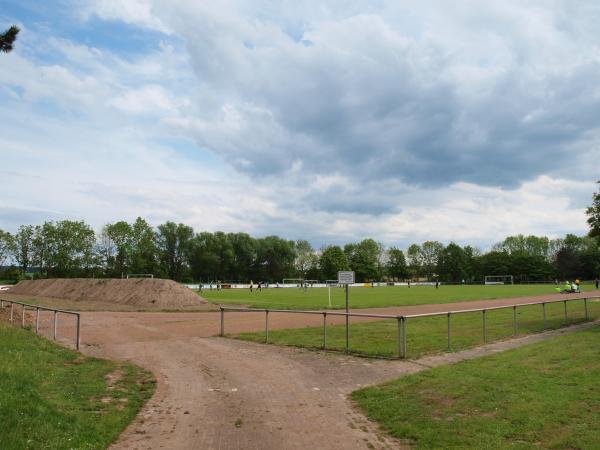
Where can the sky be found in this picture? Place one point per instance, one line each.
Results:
(325, 120)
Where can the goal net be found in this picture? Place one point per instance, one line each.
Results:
(140, 275)
(498, 279)
(298, 281)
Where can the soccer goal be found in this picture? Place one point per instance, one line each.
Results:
(140, 275)
(499, 279)
(299, 282)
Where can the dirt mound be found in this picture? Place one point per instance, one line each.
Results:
(142, 293)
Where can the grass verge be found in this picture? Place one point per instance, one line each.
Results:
(543, 395)
(52, 397)
(429, 335)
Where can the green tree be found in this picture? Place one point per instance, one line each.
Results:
(69, 248)
(332, 260)
(22, 249)
(244, 255)
(8, 38)
(577, 257)
(144, 252)
(6, 246)
(364, 259)
(415, 263)
(493, 263)
(40, 247)
(204, 257)
(396, 264)
(525, 245)
(174, 244)
(274, 259)
(430, 253)
(453, 264)
(116, 248)
(471, 254)
(213, 257)
(593, 213)
(306, 259)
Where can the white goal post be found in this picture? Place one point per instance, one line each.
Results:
(498, 279)
(330, 284)
(140, 275)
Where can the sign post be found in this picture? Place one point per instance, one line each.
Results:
(346, 278)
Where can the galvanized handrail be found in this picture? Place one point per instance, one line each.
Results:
(403, 318)
(491, 308)
(37, 309)
(300, 311)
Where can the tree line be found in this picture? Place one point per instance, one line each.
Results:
(73, 249)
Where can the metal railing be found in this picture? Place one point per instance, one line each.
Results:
(26, 306)
(402, 320)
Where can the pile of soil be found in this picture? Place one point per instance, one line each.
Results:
(151, 293)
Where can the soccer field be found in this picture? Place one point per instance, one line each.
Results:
(363, 297)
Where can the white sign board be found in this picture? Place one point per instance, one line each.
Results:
(346, 277)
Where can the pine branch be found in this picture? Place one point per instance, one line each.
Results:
(8, 38)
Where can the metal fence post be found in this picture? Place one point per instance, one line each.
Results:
(585, 305)
(12, 309)
(55, 323)
(266, 325)
(484, 327)
(78, 332)
(515, 326)
(544, 310)
(449, 334)
(566, 317)
(222, 321)
(324, 331)
(37, 320)
(23, 317)
(399, 337)
(404, 349)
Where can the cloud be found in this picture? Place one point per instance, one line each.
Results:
(329, 121)
(131, 11)
(494, 96)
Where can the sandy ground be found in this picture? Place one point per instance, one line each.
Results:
(217, 393)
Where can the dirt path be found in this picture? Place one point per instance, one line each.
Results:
(216, 393)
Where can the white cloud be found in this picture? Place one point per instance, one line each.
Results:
(138, 12)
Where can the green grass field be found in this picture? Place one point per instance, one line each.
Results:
(429, 335)
(51, 397)
(362, 297)
(543, 395)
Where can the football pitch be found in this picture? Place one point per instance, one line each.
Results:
(366, 297)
